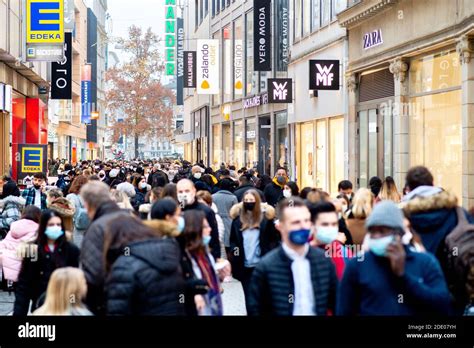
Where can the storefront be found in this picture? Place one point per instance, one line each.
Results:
(411, 101)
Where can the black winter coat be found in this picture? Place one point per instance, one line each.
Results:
(272, 284)
(92, 255)
(273, 194)
(214, 245)
(34, 275)
(149, 281)
(269, 238)
(158, 179)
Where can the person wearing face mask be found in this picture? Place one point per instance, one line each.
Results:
(203, 279)
(252, 236)
(293, 269)
(148, 279)
(50, 251)
(274, 190)
(326, 234)
(392, 279)
(186, 192)
(35, 194)
(141, 188)
(345, 188)
(102, 175)
(291, 190)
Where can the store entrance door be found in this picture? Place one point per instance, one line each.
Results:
(264, 145)
(375, 144)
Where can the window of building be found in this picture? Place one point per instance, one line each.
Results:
(201, 11)
(316, 15)
(206, 8)
(336, 152)
(325, 12)
(435, 118)
(281, 143)
(213, 5)
(196, 14)
(228, 64)
(298, 16)
(306, 17)
(305, 154)
(251, 142)
(238, 158)
(251, 80)
(226, 143)
(339, 6)
(216, 145)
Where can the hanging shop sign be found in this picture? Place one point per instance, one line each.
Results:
(280, 91)
(61, 73)
(324, 74)
(33, 159)
(45, 21)
(372, 39)
(86, 95)
(208, 66)
(189, 69)
(180, 62)
(170, 37)
(262, 35)
(238, 67)
(282, 45)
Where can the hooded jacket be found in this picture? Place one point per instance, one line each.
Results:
(433, 217)
(65, 208)
(21, 231)
(11, 212)
(269, 238)
(149, 281)
(273, 193)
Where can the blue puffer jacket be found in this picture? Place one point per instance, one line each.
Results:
(369, 287)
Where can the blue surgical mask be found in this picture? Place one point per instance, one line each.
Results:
(379, 246)
(326, 234)
(181, 224)
(53, 232)
(206, 240)
(300, 237)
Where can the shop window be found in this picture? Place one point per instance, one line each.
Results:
(436, 138)
(321, 154)
(363, 146)
(251, 142)
(281, 143)
(305, 147)
(264, 145)
(216, 146)
(238, 159)
(251, 75)
(336, 152)
(226, 142)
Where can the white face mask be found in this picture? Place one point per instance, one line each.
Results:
(326, 234)
(143, 185)
(197, 175)
(287, 193)
(185, 198)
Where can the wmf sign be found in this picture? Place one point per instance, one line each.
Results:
(280, 91)
(44, 30)
(324, 75)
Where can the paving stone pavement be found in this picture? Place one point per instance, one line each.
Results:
(6, 303)
(233, 300)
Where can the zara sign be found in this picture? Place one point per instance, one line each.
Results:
(324, 75)
(372, 39)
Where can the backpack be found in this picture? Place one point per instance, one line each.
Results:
(81, 219)
(459, 246)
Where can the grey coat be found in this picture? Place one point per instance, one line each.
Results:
(224, 200)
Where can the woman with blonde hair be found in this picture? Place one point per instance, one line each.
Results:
(389, 191)
(122, 200)
(67, 288)
(362, 205)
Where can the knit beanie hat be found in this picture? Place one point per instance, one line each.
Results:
(387, 214)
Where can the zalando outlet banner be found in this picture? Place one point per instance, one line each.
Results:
(207, 66)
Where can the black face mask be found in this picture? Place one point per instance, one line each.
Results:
(249, 206)
(37, 187)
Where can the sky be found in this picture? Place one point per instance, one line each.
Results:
(142, 13)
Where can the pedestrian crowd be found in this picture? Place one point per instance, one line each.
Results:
(161, 237)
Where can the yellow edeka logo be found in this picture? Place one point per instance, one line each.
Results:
(32, 159)
(44, 21)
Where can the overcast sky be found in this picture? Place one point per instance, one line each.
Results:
(142, 13)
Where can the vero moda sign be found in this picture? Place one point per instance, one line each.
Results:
(324, 75)
(262, 36)
(280, 91)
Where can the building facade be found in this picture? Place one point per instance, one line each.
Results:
(23, 117)
(411, 91)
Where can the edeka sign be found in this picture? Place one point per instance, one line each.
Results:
(170, 37)
(180, 63)
(44, 21)
(262, 36)
(324, 75)
(280, 91)
(33, 159)
(282, 33)
(189, 69)
(208, 66)
(238, 67)
(61, 73)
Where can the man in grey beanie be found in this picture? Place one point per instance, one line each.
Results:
(392, 279)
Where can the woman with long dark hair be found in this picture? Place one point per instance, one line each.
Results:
(50, 251)
(203, 282)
